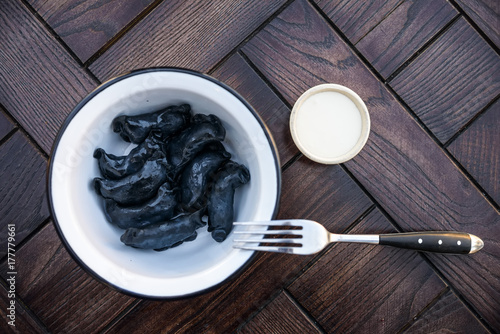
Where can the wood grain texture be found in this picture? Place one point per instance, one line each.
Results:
(477, 150)
(281, 316)
(333, 192)
(225, 309)
(357, 17)
(6, 125)
(220, 311)
(239, 75)
(486, 14)
(60, 293)
(401, 166)
(22, 185)
(447, 315)
(39, 82)
(403, 32)
(162, 316)
(86, 26)
(451, 81)
(189, 33)
(367, 288)
(22, 321)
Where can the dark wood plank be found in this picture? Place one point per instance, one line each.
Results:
(367, 288)
(403, 32)
(225, 309)
(447, 315)
(486, 14)
(158, 316)
(191, 34)
(281, 316)
(59, 292)
(357, 17)
(239, 75)
(476, 276)
(475, 150)
(401, 166)
(39, 82)
(18, 322)
(22, 185)
(451, 81)
(313, 191)
(221, 311)
(6, 125)
(86, 26)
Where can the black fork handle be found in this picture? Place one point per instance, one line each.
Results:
(437, 242)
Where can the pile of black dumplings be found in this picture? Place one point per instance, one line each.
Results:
(178, 173)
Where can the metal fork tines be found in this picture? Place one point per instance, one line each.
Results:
(282, 236)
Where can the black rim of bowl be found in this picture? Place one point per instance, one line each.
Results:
(91, 95)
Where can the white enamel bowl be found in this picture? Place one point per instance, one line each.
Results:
(192, 267)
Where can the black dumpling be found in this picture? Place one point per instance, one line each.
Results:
(164, 235)
(192, 140)
(116, 167)
(197, 174)
(167, 121)
(136, 188)
(220, 206)
(160, 208)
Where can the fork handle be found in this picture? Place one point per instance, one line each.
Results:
(438, 242)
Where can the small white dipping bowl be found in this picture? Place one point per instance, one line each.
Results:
(330, 123)
(192, 267)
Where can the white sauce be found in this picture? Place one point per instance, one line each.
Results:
(328, 124)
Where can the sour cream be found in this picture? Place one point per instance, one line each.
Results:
(330, 123)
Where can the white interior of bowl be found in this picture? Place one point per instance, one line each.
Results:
(193, 266)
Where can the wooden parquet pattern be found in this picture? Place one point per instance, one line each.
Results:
(429, 72)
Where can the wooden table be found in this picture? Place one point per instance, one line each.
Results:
(429, 72)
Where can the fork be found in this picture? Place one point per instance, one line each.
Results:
(310, 237)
